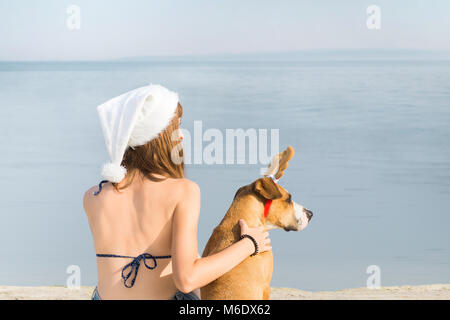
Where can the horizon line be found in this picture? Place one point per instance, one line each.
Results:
(145, 58)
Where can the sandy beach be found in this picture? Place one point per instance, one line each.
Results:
(423, 292)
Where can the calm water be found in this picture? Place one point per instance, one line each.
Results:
(372, 141)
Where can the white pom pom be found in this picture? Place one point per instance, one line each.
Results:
(113, 172)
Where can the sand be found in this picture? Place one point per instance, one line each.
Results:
(424, 292)
(433, 291)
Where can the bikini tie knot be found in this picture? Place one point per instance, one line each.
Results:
(131, 269)
(100, 185)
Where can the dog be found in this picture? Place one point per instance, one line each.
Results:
(263, 202)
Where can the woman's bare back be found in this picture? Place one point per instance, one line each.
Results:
(135, 221)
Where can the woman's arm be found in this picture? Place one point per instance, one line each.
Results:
(189, 271)
(197, 291)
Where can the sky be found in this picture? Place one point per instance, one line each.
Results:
(111, 29)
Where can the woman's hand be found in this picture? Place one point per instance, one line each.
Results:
(258, 233)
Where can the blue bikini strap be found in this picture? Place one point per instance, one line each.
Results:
(132, 268)
(100, 187)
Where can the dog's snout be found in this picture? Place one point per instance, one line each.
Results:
(309, 214)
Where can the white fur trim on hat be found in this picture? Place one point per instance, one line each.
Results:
(159, 108)
(133, 119)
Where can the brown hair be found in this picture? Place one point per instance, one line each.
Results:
(155, 157)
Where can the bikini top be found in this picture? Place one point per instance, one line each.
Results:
(131, 269)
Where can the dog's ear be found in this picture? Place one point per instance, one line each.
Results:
(267, 188)
(279, 163)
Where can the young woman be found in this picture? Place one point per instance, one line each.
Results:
(144, 216)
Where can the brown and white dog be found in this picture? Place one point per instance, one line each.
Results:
(264, 202)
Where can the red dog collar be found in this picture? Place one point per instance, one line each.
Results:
(268, 201)
(267, 207)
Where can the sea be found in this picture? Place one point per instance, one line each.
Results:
(370, 129)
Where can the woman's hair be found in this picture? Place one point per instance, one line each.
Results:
(155, 157)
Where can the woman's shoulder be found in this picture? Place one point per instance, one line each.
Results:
(87, 198)
(183, 186)
(180, 189)
(188, 199)
(186, 188)
(89, 195)
(188, 184)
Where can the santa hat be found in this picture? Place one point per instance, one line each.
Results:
(133, 119)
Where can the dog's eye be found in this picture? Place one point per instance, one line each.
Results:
(289, 199)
